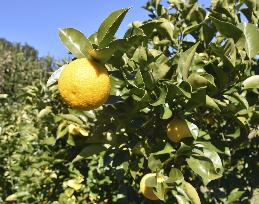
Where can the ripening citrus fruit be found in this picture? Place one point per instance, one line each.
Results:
(191, 193)
(84, 84)
(145, 190)
(177, 129)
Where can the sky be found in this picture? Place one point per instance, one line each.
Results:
(36, 22)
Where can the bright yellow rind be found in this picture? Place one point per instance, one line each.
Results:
(145, 190)
(191, 192)
(84, 84)
(177, 129)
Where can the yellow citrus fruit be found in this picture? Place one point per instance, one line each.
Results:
(177, 129)
(146, 190)
(191, 193)
(84, 84)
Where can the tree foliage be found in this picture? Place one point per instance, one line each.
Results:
(186, 61)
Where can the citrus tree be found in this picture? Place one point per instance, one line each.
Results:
(182, 116)
(167, 114)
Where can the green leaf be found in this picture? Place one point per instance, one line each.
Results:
(251, 82)
(234, 196)
(101, 55)
(167, 28)
(166, 113)
(160, 191)
(55, 76)
(93, 39)
(90, 150)
(193, 129)
(159, 70)
(251, 34)
(198, 98)
(221, 53)
(185, 60)
(175, 175)
(109, 27)
(227, 29)
(199, 81)
(62, 130)
(154, 164)
(75, 42)
(211, 103)
(72, 118)
(166, 150)
(214, 157)
(204, 168)
(184, 150)
(161, 98)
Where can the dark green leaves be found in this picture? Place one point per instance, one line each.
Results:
(185, 61)
(109, 27)
(75, 42)
(89, 151)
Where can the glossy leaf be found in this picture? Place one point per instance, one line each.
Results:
(250, 34)
(55, 76)
(185, 61)
(175, 175)
(166, 150)
(109, 27)
(203, 167)
(75, 42)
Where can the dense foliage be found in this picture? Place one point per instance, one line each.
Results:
(184, 62)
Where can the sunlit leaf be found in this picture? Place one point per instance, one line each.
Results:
(185, 61)
(203, 167)
(251, 82)
(75, 42)
(109, 27)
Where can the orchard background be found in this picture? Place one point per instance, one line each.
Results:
(185, 61)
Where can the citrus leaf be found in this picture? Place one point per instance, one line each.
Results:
(251, 82)
(234, 196)
(72, 118)
(211, 103)
(75, 42)
(175, 175)
(55, 76)
(89, 151)
(185, 61)
(191, 193)
(251, 34)
(204, 168)
(227, 29)
(101, 55)
(198, 81)
(109, 27)
(166, 113)
(154, 164)
(166, 150)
